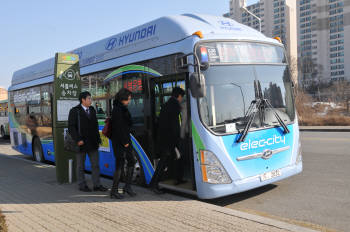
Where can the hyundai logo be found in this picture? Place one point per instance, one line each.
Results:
(112, 43)
(79, 53)
(226, 23)
(267, 154)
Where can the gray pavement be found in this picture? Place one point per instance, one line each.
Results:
(31, 200)
(318, 197)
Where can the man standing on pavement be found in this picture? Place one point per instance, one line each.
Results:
(87, 136)
(168, 137)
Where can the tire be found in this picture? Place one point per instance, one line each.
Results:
(38, 154)
(138, 175)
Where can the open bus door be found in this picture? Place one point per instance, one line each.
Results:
(161, 89)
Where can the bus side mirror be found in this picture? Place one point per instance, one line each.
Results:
(197, 85)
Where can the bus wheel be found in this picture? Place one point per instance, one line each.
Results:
(2, 132)
(38, 153)
(138, 175)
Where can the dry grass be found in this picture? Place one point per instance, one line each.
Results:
(310, 116)
(3, 227)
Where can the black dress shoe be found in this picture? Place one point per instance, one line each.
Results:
(177, 182)
(116, 195)
(129, 191)
(100, 188)
(85, 189)
(157, 191)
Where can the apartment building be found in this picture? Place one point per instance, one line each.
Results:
(278, 19)
(323, 28)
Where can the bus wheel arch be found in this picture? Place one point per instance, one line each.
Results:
(37, 149)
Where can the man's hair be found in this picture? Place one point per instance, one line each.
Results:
(122, 95)
(178, 91)
(83, 95)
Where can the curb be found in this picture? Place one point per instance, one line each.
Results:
(264, 220)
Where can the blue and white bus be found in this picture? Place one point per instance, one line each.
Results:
(239, 125)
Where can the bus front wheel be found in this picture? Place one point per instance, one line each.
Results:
(38, 153)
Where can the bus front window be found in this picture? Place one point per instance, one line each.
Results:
(230, 91)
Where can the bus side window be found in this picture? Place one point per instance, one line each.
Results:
(136, 107)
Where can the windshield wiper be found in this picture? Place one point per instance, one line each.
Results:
(259, 105)
(252, 110)
(285, 128)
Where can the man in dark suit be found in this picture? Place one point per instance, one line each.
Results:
(168, 136)
(87, 136)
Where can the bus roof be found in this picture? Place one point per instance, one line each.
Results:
(162, 31)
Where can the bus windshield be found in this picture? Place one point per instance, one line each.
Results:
(230, 91)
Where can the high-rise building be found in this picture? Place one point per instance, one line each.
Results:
(324, 26)
(278, 19)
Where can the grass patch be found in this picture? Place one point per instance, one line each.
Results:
(311, 114)
(3, 227)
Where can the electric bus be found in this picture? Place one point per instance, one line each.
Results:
(239, 128)
(4, 120)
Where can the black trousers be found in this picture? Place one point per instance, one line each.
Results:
(166, 159)
(121, 155)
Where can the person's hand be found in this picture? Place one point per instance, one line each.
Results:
(81, 143)
(126, 145)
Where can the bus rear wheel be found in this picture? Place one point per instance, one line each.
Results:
(38, 153)
(138, 175)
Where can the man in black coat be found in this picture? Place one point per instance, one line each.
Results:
(168, 136)
(87, 136)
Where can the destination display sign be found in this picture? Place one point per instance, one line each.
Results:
(240, 52)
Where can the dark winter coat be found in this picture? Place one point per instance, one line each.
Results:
(121, 125)
(168, 133)
(89, 131)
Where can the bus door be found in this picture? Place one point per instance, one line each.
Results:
(161, 89)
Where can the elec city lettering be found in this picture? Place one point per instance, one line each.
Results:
(262, 142)
(125, 39)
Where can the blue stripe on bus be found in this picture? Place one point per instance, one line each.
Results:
(145, 162)
(122, 73)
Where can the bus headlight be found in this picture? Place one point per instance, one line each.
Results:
(299, 155)
(212, 170)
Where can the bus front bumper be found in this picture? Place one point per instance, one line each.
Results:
(209, 191)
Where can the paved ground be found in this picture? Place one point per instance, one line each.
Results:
(319, 195)
(31, 200)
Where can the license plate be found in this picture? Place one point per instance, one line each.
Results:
(270, 175)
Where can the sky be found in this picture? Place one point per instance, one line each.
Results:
(33, 31)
